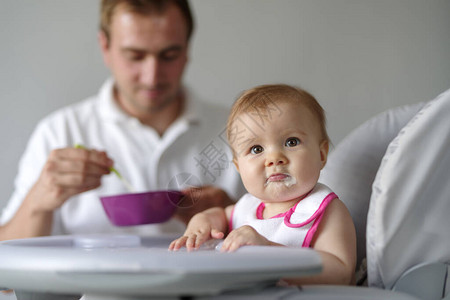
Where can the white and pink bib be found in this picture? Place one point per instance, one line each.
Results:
(296, 227)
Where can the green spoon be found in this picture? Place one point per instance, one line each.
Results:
(115, 171)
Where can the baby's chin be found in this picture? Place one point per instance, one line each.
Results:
(280, 191)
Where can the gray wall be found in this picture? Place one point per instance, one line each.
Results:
(358, 57)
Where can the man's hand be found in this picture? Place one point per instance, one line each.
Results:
(199, 199)
(66, 173)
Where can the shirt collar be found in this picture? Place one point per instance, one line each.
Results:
(108, 108)
(193, 107)
(111, 111)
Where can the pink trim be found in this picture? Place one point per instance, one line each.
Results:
(262, 206)
(310, 234)
(319, 211)
(230, 223)
(259, 211)
(287, 212)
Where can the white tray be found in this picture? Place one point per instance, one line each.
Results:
(127, 266)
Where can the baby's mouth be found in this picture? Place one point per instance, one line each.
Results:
(278, 177)
(285, 178)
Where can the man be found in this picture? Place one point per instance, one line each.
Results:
(142, 121)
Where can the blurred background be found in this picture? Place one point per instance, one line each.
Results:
(358, 57)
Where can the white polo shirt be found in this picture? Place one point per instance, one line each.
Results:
(193, 151)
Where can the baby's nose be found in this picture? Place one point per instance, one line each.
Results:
(275, 158)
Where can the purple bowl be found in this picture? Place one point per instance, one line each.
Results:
(141, 208)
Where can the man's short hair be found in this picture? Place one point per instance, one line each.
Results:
(143, 7)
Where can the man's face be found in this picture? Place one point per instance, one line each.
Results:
(146, 55)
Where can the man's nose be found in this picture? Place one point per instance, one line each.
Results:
(275, 158)
(150, 71)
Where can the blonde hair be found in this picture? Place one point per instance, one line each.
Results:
(264, 96)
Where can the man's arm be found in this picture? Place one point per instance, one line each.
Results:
(66, 173)
(199, 199)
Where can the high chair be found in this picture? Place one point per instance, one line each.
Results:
(402, 153)
(403, 230)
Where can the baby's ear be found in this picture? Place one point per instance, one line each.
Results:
(324, 146)
(236, 164)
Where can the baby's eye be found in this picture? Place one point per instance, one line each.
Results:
(292, 142)
(256, 149)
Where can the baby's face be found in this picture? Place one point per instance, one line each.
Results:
(280, 156)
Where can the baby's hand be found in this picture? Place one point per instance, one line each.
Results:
(245, 235)
(198, 231)
(192, 241)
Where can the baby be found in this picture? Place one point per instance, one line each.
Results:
(280, 144)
